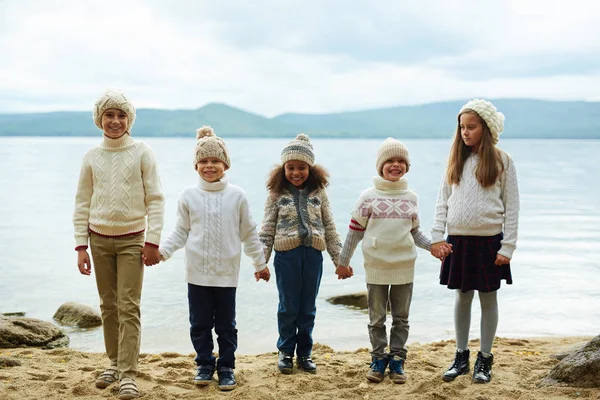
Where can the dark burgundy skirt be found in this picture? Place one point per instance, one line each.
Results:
(471, 264)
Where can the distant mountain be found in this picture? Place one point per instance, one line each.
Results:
(525, 119)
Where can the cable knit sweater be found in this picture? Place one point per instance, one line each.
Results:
(297, 217)
(386, 218)
(213, 220)
(467, 209)
(118, 187)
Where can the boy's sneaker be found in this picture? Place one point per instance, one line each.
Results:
(305, 363)
(397, 374)
(226, 379)
(482, 371)
(377, 369)
(285, 363)
(204, 375)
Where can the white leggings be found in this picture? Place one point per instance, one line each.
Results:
(462, 319)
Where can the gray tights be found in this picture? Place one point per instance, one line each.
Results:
(462, 319)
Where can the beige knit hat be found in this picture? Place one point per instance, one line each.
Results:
(487, 111)
(210, 145)
(113, 99)
(389, 149)
(299, 149)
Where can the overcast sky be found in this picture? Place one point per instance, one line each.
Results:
(276, 56)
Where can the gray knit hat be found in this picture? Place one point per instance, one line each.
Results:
(299, 149)
(113, 99)
(487, 111)
(389, 149)
(210, 145)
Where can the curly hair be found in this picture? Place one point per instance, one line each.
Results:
(318, 178)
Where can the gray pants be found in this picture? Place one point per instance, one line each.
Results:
(399, 297)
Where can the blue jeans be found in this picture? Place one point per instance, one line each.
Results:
(213, 307)
(298, 273)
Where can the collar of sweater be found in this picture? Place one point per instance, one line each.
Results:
(389, 186)
(214, 186)
(123, 141)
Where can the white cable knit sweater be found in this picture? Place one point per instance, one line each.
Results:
(213, 220)
(118, 187)
(467, 209)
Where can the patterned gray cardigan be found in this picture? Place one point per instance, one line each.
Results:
(295, 214)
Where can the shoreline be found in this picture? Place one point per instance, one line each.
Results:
(520, 364)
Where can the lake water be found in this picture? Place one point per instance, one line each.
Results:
(555, 270)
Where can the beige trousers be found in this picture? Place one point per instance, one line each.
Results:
(119, 274)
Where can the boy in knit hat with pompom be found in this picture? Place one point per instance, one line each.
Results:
(213, 221)
(386, 219)
(118, 189)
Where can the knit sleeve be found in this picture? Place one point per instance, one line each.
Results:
(510, 198)
(269, 225)
(178, 238)
(419, 237)
(249, 237)
(153, 196)
(83, 199)
(356, 233)
(441, 211)
(332, 238)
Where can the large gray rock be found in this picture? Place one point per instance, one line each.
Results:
(78, 315)
(358, 300)
(581, 368)
(30, 332)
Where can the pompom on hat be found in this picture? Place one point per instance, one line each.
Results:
(112, 98)
(299, 149)
(391, 148)
(487, 111)
(210, 145)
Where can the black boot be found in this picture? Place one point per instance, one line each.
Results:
(482, 372)
(285, 363)
(460, 366)
(305, 363)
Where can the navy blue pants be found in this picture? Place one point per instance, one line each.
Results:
(213, 307)
(298, 273)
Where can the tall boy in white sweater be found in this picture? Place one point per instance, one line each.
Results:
(386, 219)
(213, 220)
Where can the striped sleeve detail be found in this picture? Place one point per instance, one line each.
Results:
(355, 226)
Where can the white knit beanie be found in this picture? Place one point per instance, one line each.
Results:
(210, 145)
(299, 149)
(487, 111)
(113, 99)
(391, 148)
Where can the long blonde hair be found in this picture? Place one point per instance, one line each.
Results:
(490, 157)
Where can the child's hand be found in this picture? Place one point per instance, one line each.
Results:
(150, 255)
(83, 262)
(441, 250)
(265, 275)
(344, 272)
(501, 260)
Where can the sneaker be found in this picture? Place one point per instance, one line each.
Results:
(482, 371)
(460, 366)
(285, 363)
(226, 379)
(397, 374)
(204, 375)
(377, 369)
(305, 363)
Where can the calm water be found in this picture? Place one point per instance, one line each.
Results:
(555, 269)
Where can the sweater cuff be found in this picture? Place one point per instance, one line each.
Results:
(163, 254)
(81, 248)
(437, 237)
(153, 238)
(81, 240)
(507, 251)
(260, 267)
(151, 244)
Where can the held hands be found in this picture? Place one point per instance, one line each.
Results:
(501, 260)
(265, 275)
(150, 255)
(344, 272)
(83, 262)
(441, 250)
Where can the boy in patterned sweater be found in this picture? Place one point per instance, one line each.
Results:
(386, 219)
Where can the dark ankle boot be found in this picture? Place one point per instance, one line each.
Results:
(460, 366)
(306, 364)
(285, 363)
(482, 371)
